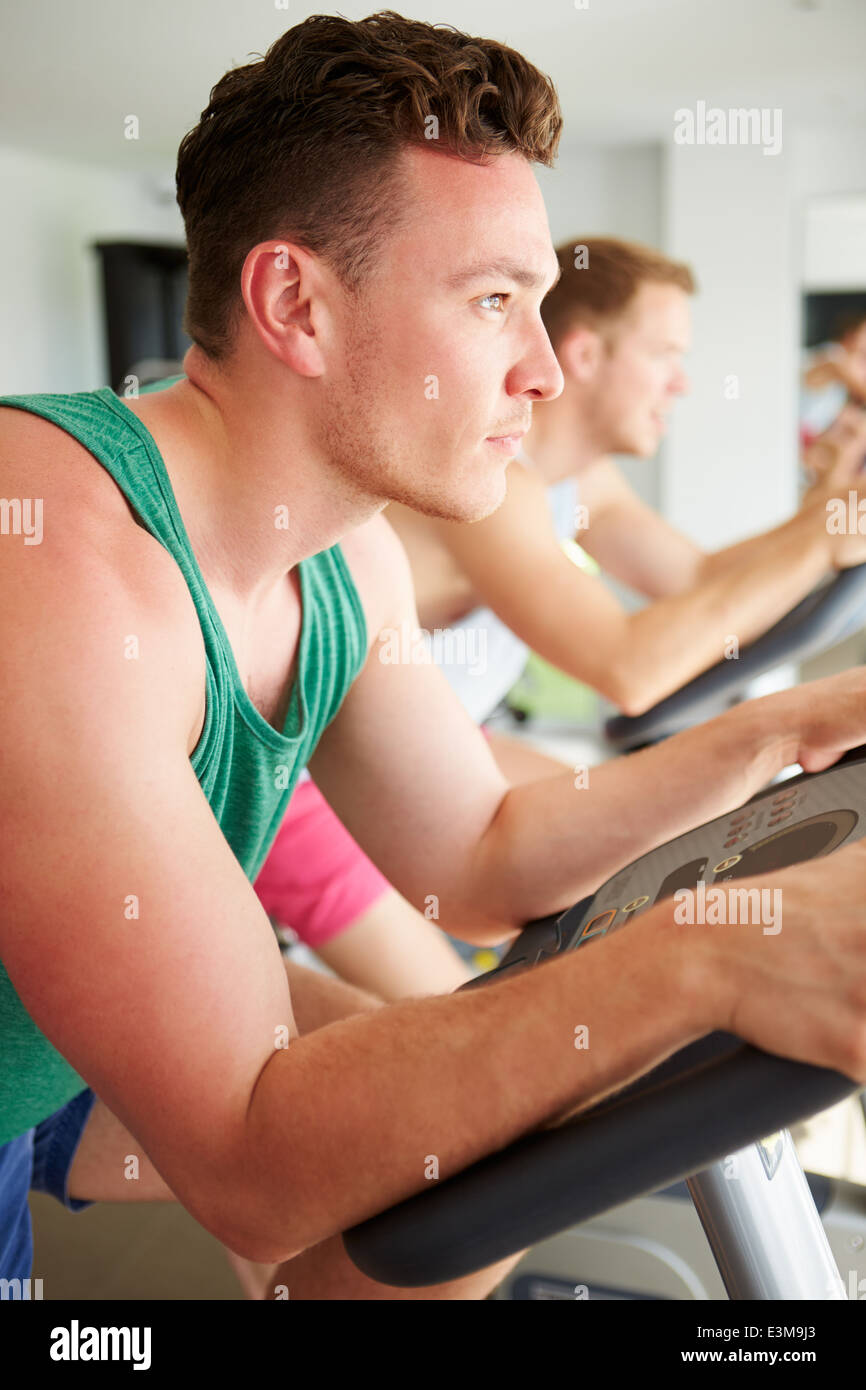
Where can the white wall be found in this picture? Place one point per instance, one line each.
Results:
(605, 191)
(731, 464)
(829, 161)
(740, 217)
(834, 249)
(50, 284)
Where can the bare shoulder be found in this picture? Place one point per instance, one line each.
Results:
(81, 573)
(602, 480)
(380, 569)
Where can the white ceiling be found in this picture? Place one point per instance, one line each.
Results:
(70, 73)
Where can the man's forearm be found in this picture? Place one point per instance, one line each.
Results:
(365, 1112)
(740, 592)
(553, 842)
(806, 530)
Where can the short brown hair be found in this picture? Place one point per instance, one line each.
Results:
(304, 144)
(600, 277)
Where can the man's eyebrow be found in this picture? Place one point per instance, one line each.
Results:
(489, 270)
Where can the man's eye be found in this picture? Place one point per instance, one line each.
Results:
(500, 297)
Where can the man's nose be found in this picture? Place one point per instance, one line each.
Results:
(553, 376)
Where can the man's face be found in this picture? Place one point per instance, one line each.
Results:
(640, 372)
(444, 353)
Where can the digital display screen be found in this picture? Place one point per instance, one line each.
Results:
(795, 844)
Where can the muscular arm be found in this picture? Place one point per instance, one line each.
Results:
(518, 569)
(416, 784)
(634, 543)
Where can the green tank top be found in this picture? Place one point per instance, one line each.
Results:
(247, 770)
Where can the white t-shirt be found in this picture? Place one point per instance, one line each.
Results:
(484, 659)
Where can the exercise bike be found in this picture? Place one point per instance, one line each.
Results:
(714, 1114)
(654, 1247)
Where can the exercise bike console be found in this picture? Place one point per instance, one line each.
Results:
(707, 1101)
(805, 817)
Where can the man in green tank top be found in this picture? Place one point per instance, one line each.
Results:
(216, 600)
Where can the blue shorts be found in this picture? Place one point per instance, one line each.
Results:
(38, 1160)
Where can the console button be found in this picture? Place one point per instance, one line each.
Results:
(636, 903)
(598, 925)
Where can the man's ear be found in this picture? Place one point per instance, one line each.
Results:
(580, 353)
(282, 287)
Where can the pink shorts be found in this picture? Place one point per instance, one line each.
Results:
(317, 879)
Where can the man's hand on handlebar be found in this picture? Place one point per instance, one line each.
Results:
(834, 462)
(799, 991)
(817, 722)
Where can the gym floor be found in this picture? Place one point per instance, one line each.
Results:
(157, 1251)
